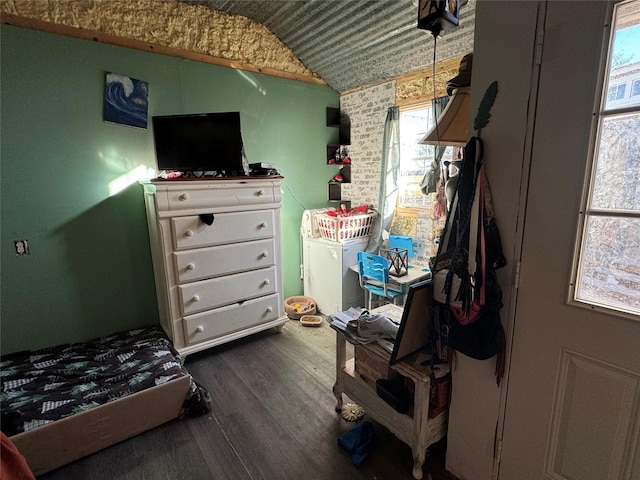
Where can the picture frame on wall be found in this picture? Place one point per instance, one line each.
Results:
(126, 100)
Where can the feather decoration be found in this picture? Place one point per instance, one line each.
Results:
(483, 116)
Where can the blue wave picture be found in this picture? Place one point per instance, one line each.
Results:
(126, 100)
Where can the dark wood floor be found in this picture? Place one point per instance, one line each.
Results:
(273, 418)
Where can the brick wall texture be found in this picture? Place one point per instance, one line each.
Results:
(367, 112)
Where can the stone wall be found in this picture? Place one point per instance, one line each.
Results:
(367, 112)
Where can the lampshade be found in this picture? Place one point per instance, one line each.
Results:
(452, 123)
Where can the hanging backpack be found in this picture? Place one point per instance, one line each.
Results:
(467, 296)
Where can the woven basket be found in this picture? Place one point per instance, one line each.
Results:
(306, 306)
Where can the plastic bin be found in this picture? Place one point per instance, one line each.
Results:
(342, 229)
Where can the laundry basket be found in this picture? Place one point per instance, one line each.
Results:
(342, 229)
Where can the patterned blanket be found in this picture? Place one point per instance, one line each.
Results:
(39, 387)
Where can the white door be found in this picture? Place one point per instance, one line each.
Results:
(573, 401)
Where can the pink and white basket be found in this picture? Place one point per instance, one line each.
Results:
(343, 229)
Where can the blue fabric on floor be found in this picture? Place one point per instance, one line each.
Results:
(358, 441)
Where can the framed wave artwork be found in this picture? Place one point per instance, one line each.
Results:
(126, 100)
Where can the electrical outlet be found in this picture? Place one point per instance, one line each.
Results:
(22, 247)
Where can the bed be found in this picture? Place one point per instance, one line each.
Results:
(62, 403)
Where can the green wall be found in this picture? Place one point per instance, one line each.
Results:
(90, 272)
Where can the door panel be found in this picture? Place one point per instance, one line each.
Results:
(572, 410)
(593, 418)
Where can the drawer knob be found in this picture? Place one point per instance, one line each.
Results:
(200, 329)
(264, 254)
(189, 233)
(266, 282)
(191, 266)
(195, 298)
(260, 192)
(269, 309)
(183, 197)
(263, 225)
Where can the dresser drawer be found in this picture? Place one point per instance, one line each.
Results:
(192, 265)
(215, 292)
(192, 232)
(221, 195)
(231, 318)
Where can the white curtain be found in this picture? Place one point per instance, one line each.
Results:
(389, 170)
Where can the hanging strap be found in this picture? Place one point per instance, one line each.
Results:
(483, 246)
(473, 231)
(449, 225)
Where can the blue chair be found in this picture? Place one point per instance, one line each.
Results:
(374, 278)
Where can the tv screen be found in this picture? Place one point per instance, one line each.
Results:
(210, 143)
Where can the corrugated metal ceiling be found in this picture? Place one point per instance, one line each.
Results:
(354, 43)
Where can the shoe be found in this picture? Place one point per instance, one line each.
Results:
(377, 326)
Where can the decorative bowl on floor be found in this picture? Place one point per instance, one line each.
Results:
(311, 320)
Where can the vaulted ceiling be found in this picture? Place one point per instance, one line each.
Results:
(355, 43)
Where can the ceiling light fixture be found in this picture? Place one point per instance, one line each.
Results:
(437, 15)
(452, 123)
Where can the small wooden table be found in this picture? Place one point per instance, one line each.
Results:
(418, 432)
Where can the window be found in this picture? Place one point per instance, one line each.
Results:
(415, 122)
(616, 92)
(635, 88)
(608, 260)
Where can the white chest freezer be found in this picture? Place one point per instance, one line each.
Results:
(327, 277)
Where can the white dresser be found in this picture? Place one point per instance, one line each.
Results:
(215, 246)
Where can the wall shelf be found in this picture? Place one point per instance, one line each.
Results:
(338, 152)
(339, 120)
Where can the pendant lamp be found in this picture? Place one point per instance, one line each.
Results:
(451, 127)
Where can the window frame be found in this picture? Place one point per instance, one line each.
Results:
(618, 87)
(600, 113)
(419, 105)
(402, 109)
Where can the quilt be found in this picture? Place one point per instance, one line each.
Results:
(42, 386)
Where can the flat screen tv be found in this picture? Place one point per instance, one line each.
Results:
(204, 143)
